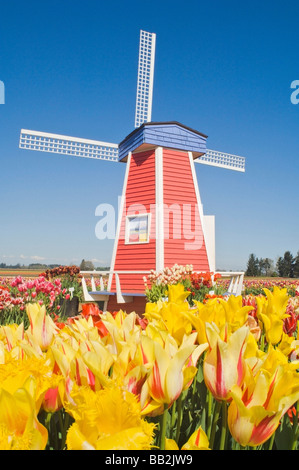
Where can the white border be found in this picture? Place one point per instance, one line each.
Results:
(159, 209)
(131, 216)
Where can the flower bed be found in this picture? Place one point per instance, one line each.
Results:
(55, 288)
(197, 284)
(216, 374)
(256, 285)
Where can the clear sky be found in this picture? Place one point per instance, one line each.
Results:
(223, 68)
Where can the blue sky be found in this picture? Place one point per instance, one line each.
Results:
(223, 68)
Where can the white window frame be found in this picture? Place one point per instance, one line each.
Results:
(127, 234)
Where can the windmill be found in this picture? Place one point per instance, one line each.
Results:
(160, 178)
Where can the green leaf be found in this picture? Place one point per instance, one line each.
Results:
(284, 435)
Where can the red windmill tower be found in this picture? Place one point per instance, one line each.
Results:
(161, 220)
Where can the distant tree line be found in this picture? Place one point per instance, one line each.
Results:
(30, 266)
(84, 266)
(286, 266)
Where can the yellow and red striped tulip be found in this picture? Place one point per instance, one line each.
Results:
(81, 366)
(255, 412)
(42, 328)
(166, 377)
(224, 364)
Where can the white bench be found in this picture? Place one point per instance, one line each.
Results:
(104, 294)
(236, 284)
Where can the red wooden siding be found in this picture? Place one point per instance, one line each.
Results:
(137, 257)
(179, 191)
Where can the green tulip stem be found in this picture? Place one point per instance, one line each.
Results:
(209, 404)
(223, 425)
(173, 418)
(194, 385)
(215, 420)
(64, 424)
(163, 424)
(179, 418)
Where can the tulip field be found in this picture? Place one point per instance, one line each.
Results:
(200, 370)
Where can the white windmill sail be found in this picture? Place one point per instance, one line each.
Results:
(65, 145)
(145, 80)
(222, 160)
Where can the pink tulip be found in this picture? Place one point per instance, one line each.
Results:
(30, 284)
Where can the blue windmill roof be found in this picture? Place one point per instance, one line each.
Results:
(164, 134)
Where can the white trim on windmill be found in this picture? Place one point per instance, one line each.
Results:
(159, 209)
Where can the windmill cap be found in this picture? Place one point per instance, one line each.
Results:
(164, 134)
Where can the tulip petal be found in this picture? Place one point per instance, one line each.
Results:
(174, 375)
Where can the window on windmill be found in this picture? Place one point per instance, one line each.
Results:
(137, 228)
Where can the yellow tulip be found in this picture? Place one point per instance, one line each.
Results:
(33, 374)
(129, 369)
(177, 294)
(81, 365)
(199, 318)
(171, 369)
(287, 344)
(11, 336)
(81, 329)
(171, 315)
(20, 428)
(235, 313)
(109, 419)
(122, 329)
(272, 311)
(197, 441)
(42, 328)
(224, 364)
(166, 379)
(190, 368)
(219, 312)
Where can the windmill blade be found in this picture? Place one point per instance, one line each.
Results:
(145, 79)
(65, 145)
(222, 160)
